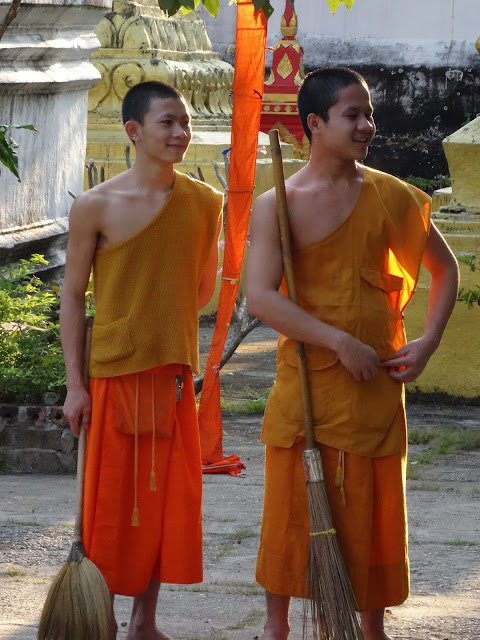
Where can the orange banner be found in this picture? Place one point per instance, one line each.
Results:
(247, 102)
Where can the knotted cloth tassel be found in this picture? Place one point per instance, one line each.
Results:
(340, 476)
(136, 513)
(153, 480)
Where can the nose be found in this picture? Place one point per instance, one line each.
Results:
(180, 131)
(366, 124)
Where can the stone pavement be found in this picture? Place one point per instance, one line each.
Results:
(36, 521)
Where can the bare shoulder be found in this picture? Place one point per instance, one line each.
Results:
(89, 207)
(265, 201)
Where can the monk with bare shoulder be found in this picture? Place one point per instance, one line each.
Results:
(359, 237)
(151, 237)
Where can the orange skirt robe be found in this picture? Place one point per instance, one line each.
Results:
(370, 522)
(359, 279)
(167, 544)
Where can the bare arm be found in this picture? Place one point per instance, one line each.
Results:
(264, 275)
(206, 285)
(80, 251)
(439, 260)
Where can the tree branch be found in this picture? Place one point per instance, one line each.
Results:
(10, 17)
(229, 350)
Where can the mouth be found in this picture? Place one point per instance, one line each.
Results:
(365, 140)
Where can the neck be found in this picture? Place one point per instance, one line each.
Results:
(333, 169)
(152, 176)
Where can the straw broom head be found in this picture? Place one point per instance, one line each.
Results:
(332, 602)
(78, 604)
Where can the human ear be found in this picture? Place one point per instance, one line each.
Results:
(314, 121)
(131, 130)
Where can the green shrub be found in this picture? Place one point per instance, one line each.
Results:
(31, 361)
(429, 185)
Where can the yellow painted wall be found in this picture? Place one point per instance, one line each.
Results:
(454, 367)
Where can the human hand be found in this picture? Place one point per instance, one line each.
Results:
(77, 409)
(360, 359)
(409, 361)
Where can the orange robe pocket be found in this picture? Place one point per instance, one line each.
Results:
(156, 408)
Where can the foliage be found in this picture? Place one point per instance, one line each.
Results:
(30, 349)
(8, 146)
(469, 296)
(442, 441)
(429, 185)
(213, 6)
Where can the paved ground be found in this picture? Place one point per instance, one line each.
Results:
(36, 520)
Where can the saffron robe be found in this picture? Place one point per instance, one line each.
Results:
(167, 544)
(359, 279)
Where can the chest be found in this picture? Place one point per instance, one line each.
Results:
(315, 217)
(127, 217)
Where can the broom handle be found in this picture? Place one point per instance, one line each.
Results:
(82, 440)
(282, 212)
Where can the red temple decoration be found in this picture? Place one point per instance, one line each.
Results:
(279, 104)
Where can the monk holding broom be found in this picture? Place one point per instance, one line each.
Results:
(359, 237)
(151, 235)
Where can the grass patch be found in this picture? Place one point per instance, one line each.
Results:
(22, 523)
(231, 405)
(241, 534)
(15, 572)
(442, 441)
(424, 486)
(459, 543)
(413, 472)
(425, 458)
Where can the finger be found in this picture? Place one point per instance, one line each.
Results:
(357, 376)
(86, 418)
(405, 361)
(403, 350)
(403, 376)
(74, 426)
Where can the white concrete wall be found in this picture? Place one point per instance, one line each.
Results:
(414, 32)
(45, 75)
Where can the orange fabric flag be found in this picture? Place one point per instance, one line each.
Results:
(247, 101)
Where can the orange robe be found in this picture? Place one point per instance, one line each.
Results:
(167, 544)
(358, 279)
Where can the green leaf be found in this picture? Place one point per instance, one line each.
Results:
(212, 6)
(264, 5)
(348, 3)
(30, 127)
(334, 4)
(8, 157)
(170, 6)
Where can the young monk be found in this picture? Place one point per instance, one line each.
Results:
(359, 237)
(151, 235)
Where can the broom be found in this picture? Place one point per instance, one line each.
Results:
(331, 602)
(78, 604)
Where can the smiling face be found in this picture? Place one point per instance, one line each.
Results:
(350, 127)
(165, 133)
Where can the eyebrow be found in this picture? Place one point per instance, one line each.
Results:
(356, 108)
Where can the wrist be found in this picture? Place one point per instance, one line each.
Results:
(431, 341)
(75, 385)
(340, 340)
